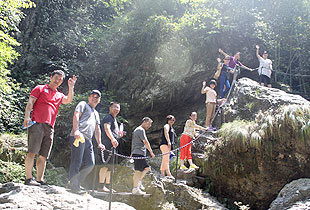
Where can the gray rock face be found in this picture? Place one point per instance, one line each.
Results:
(295, 195)
(20, 196)
(165, 194)
(262, 146)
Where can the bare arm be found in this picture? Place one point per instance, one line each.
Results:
(198, 127)
(166, 130)
(98, 137)
(28, 109)
(68, 99)
(148, 147)
(223, 53)
(257, 52)
(203, 87)
(76, 121)
(107, 129)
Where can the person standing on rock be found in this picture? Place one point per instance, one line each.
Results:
(224, 76)
(265, 68)
(138, 149)
(188, 134)
(166, 145)
(210, 102)
(44, 102)
(234, 60)
(86, 123)
(110, 138)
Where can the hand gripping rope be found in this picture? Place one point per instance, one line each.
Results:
(147, 157)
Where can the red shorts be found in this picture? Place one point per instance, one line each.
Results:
(186, 151)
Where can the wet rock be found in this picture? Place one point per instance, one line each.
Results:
(295, 195)
(20, 196)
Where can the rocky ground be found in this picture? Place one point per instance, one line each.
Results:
(20, 196)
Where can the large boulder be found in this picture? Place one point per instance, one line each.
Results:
(164, 193)
(295, 195)
(262, 146)
(19, 196)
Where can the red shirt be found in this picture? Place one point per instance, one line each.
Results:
(46, 107)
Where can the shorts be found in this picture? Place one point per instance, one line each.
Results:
(263, 78)
(40, 139)
(140, 164)
(106, 158)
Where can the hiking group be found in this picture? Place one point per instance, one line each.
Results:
(44, 102)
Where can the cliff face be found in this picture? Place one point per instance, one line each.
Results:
(263, 145)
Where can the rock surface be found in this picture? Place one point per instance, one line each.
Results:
(295, 195)
(263, 146)
(20, 196)
(165, 194)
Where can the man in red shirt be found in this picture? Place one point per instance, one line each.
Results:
(44, 102)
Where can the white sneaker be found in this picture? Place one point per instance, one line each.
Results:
(137, 191)
(141, 186)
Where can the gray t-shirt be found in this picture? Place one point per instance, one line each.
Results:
(88, 119)
(137, 145)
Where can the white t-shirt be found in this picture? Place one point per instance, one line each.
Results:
(264, 67)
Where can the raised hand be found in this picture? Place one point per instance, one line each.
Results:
(218, 60)
(257, 46)
(204, 83)
(71, 81)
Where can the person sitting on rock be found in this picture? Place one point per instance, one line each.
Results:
(167, 141)
(210, 102)
(265, 68)
(188, 134)
(86, 123)
(138, 149)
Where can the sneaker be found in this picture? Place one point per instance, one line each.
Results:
(211, 128)
(137, 191)
(141, 186)
(194, 166)
(170, 177)
(31, 182)
(183, 168)
(42, 182)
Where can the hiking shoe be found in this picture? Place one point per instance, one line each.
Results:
(140, 186)
(183, 168)
(31, 182)
(170, 177)
(194, 166)
(137, 191)
(211, 128)
(42, 182)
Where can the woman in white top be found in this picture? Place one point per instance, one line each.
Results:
(265, 68)
(187, 135)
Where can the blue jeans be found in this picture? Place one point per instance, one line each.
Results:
(224, 82)
(82, 162)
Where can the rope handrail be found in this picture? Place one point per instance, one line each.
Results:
(147, 157)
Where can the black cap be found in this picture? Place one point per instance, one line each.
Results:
(213, 82)
(95, 92)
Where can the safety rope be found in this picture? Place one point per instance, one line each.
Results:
(147, 157)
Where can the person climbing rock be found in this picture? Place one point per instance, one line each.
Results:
(86, 123)
(265, 68)
(210, 101)
(166, 145)
(138, 149)
(188, 134)
(44, 102)
(224, 76)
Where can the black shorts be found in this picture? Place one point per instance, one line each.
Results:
(140, 164)
(263, 78)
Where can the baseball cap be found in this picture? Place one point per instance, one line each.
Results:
(95, 92)
(265, 52)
